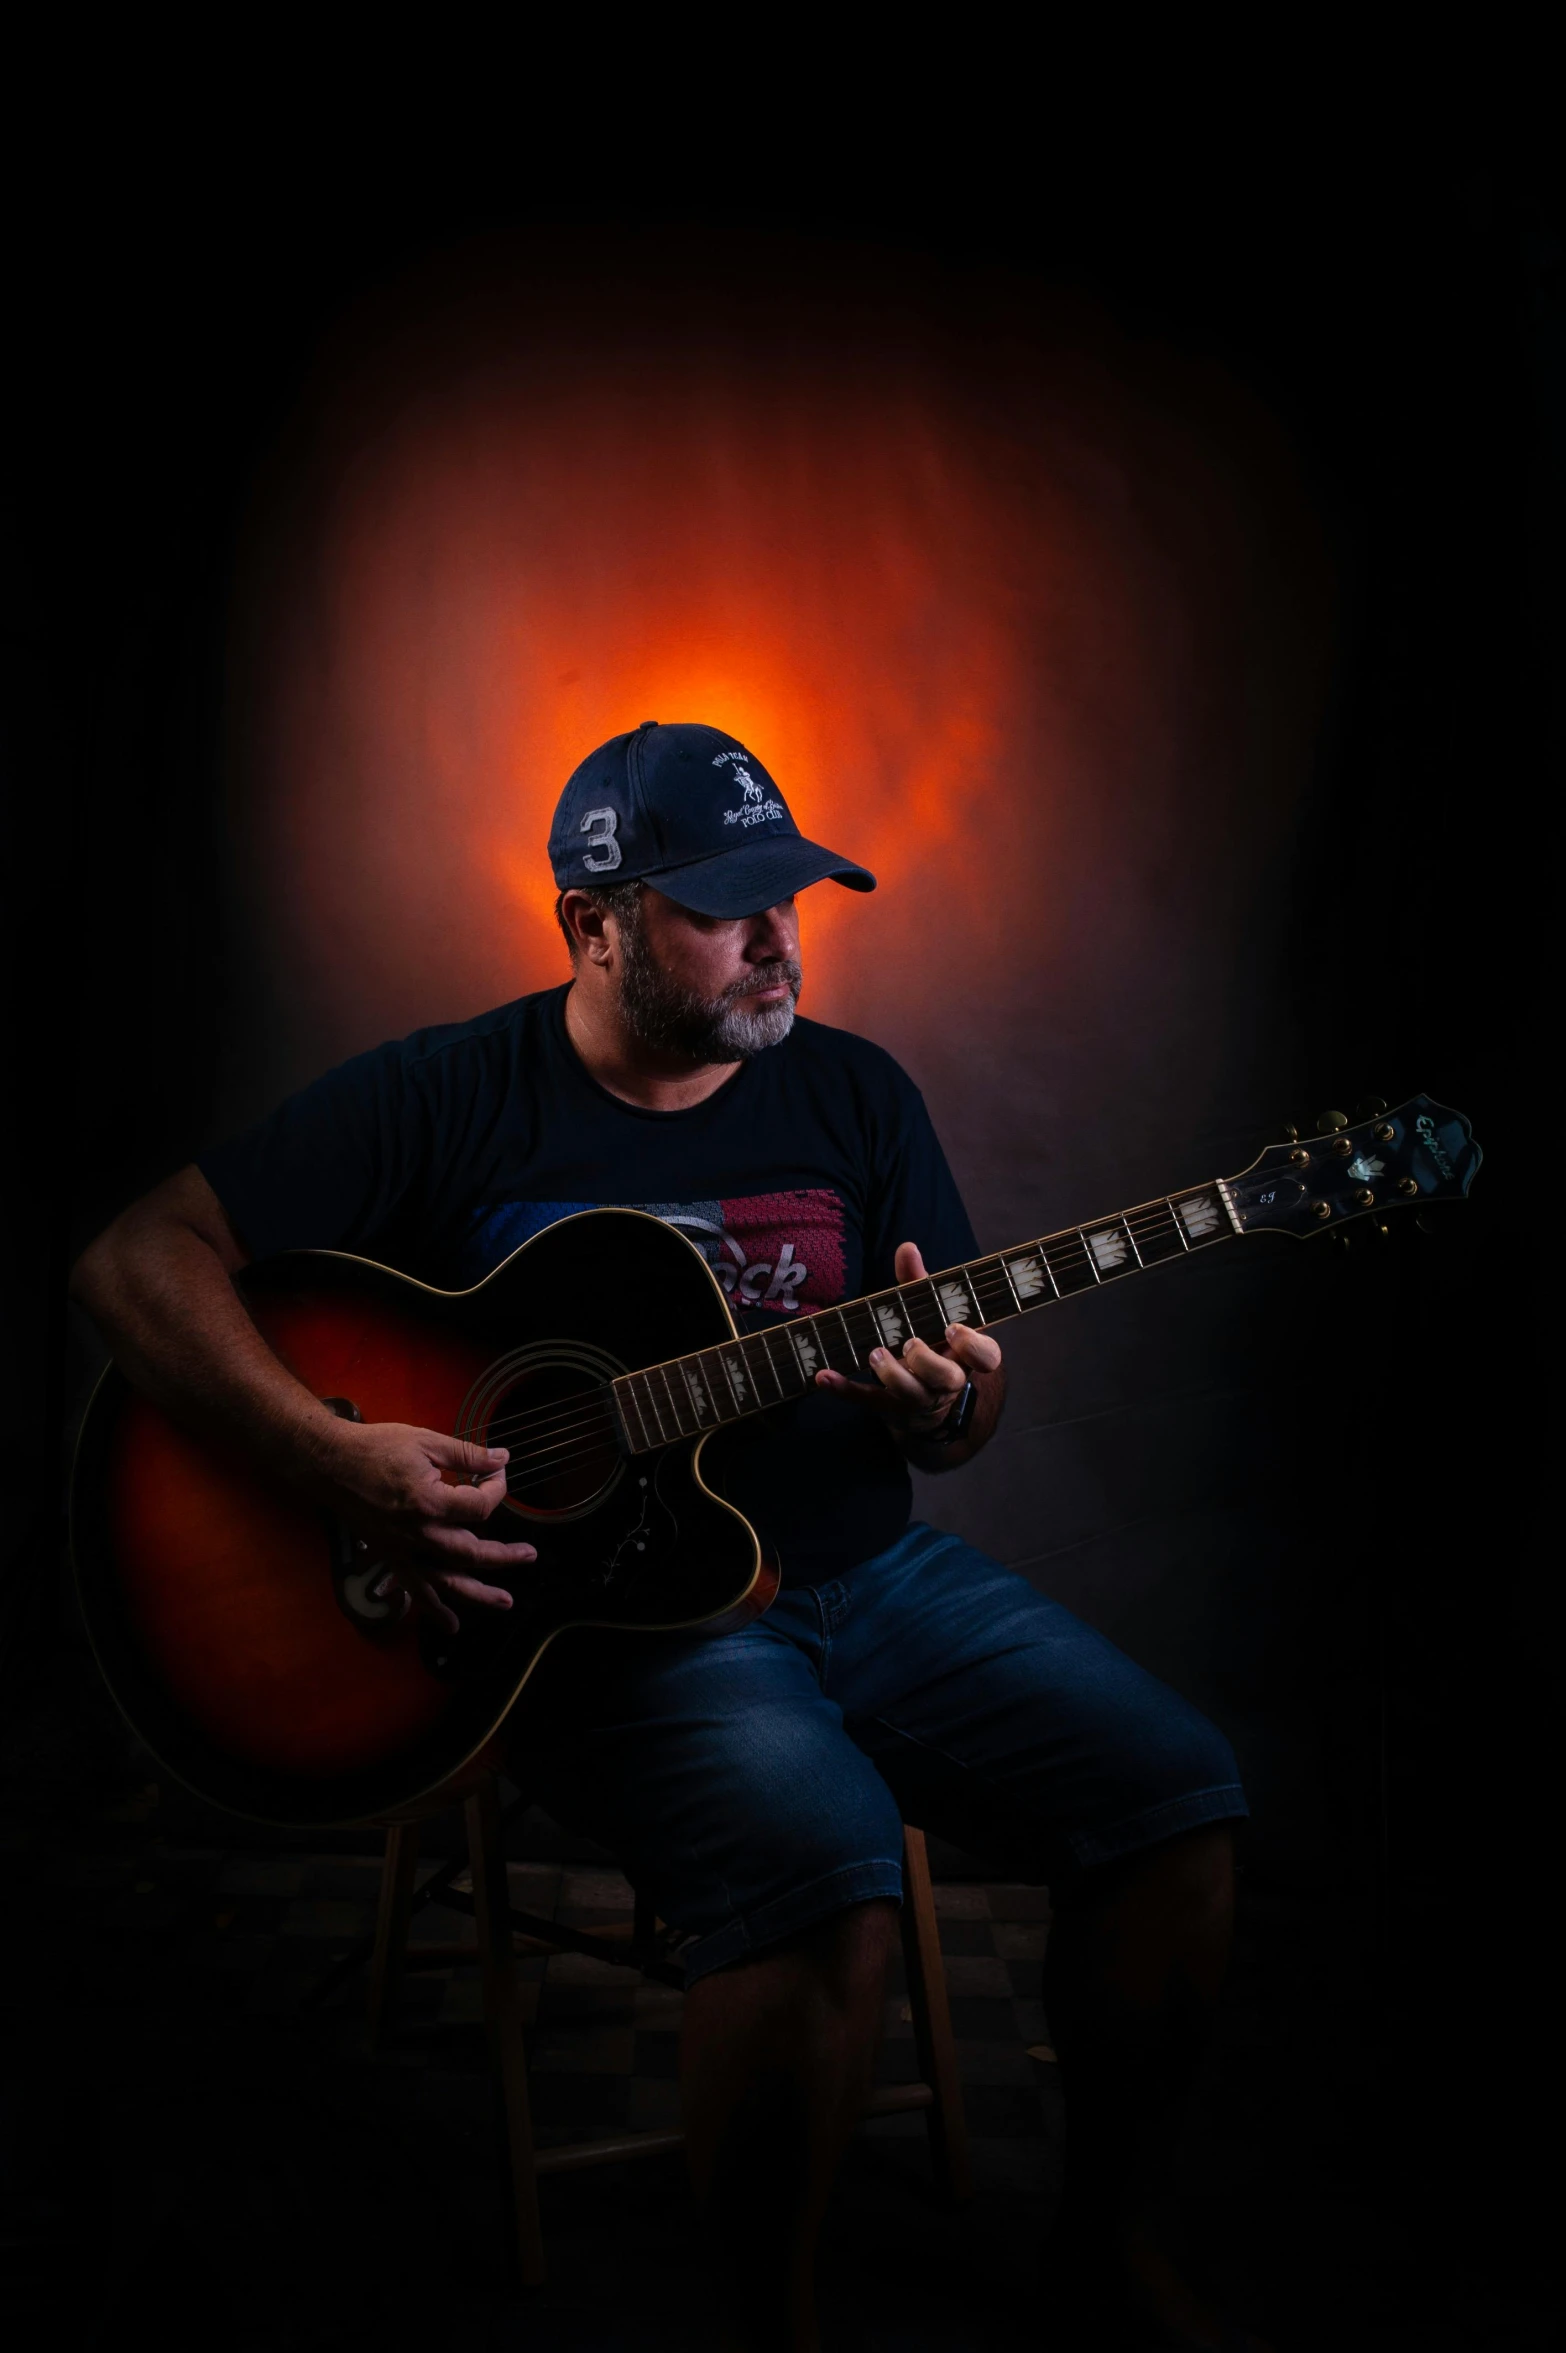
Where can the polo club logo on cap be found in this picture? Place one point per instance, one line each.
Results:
(755, 809)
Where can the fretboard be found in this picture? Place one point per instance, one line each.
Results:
(721, 1384)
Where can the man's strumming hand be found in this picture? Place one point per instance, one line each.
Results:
(415, 1499)
(917, 1388)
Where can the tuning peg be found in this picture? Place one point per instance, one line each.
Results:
(1371, 1108)
(1291, 1134)
(1331, 1119)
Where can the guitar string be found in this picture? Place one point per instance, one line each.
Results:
(567, 1435)
(569, 1439)
(1068, 1252)
(574, 1444)
(556, 1418)
(978, 1271)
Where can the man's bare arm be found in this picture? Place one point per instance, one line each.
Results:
(159, 1285)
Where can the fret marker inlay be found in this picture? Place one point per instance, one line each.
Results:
(1198, 1216)
(893, 1330)
(1027, 1275)
(1110, 1251)
(954, 1298)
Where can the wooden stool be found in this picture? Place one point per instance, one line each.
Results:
(506, 1935)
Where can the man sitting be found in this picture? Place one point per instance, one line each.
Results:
(753, 1784)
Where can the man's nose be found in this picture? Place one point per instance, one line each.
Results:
(776, 934)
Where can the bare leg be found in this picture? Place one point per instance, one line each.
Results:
(1136, 1961)
(774, 2071)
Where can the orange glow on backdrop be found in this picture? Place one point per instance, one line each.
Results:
(967, 606)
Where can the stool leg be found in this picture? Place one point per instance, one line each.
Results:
(491, 1903)
(932, 2023)
(391, 1927)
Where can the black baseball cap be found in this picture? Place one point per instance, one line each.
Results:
(689, 809)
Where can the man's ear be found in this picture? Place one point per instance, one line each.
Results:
(584, 924)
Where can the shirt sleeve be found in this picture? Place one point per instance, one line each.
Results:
(338, 1166)
(915, 1197)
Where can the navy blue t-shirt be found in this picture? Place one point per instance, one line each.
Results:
(441, 1153)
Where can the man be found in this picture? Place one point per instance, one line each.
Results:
(753, 1784)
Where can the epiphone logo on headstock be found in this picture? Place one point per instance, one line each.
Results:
(1432, 1143)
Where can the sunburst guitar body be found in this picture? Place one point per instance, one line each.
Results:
(246, 1636)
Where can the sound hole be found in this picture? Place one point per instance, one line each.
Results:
(555, 1415)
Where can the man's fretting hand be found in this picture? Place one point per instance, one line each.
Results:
(415, 1498)
(918, 1388)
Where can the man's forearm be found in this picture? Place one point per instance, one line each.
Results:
(159, 1287)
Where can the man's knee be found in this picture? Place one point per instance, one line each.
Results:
(817, 1987)
(848, 1952)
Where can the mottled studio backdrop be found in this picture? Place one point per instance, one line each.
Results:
(1030, 615)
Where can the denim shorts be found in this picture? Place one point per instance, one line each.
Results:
(750, 1784)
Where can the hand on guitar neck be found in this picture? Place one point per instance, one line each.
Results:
(159, 1286)
(920, 1388)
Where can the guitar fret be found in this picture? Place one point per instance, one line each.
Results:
(759, 1340)
(649, 1397)
(957, 1297)
(1010, 1285)
(674, 1403)
(1068, 1266)
(1166, 1231)
(864, 1327)
(625, 1394)
(902, 1311)
(716, 1393)
(889, 1310)
(792, 1361)
(1027, 1271)
(1199, 1215)
(991, 1273)
(848, 1337)
(791, 1334)
(993, 1276)
(1107, 1247)
(738, 1381)
(1131, 1238)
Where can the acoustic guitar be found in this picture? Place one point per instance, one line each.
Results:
(269, 1663)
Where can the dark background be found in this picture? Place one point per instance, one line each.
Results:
(1337, 1550)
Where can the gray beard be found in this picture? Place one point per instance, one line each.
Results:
(670, 1020)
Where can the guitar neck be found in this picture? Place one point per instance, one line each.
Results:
(692, 1394)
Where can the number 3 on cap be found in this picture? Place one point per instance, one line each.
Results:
(601, 826)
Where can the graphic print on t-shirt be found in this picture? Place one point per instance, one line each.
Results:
(781, 1253)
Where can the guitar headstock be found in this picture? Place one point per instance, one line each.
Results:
(1401, 1159)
